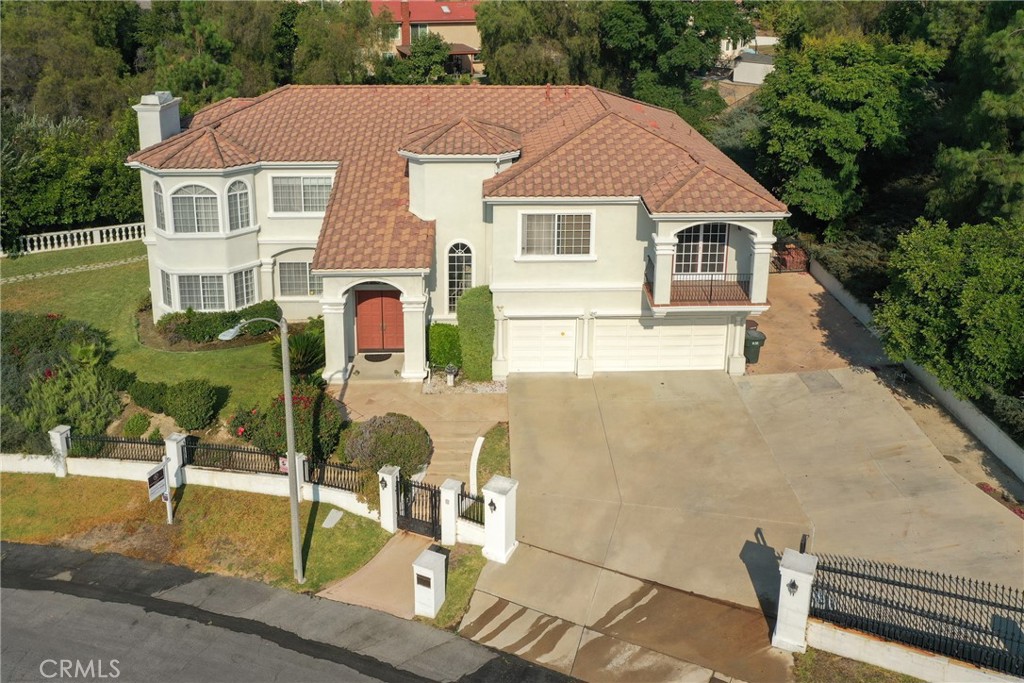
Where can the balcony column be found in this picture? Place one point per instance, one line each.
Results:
(414, 314)
(665, 253)
(760, 259)
(336, 348)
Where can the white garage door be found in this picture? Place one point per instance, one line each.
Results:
(543, 345)
(696, 344)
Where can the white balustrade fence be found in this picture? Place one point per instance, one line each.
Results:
(86, 237)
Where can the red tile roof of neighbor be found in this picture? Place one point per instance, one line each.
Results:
(429, 11)
(575, 141)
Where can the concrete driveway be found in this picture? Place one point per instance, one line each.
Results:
(697, 480)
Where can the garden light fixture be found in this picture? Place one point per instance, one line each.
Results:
(289, 430)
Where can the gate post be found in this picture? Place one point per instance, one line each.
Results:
(796, 575)
(450, 491)
(500, 518)
(175, 445)
(59, 438)
(388, 483)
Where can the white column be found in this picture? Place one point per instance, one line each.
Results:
(266, 279)
(59, 443)
(388, 484)
(665, 253)
(500, 518)
(585, 365)
(499, 366)
(797, 573)
(175, 446)
(737, 336)
(335, 346)
(450, 490)
(414, 319)
(760, 260)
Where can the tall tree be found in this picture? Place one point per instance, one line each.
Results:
(956, 305)
(830, 107)
(338, 42)
(424, 65)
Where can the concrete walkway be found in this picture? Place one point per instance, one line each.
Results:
(454, 421)
(385, 582)
(75, 269)
(597, 625)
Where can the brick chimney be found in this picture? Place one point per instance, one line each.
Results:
(159, 118)
(406, 23)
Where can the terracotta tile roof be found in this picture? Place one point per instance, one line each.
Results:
(575, 141)
(429, 11)
(462, 136)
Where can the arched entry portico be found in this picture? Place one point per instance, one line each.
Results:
(373, 314)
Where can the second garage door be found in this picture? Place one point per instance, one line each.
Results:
(624, 344)
(542, 345)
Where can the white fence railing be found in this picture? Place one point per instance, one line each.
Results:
(86, 237)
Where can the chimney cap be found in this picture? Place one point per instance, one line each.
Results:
(159, 97)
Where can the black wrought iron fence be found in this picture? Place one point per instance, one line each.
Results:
(336, 476)
(115, 448)
(973, 621)
(235, 458)
(471, 507)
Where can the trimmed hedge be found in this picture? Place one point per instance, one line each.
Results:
(191, 403)
(149, 395)
(202, 327)
(443, 346)
(475, 312)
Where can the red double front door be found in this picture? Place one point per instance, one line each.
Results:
(379, 321)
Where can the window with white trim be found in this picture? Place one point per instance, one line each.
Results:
(158, 204)
(245, 288)
(238, 206)
(297, 279)
(556, 234)
(305, 194)
(702, 249)
(165, 280)
(418, 30)
(201, 292)
(194, 209)
(460, 272)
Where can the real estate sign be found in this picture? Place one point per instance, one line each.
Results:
(157, 480)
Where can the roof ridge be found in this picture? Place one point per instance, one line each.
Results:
(211, 131)
(603, 93)
(769, 198)
(515, 172)
(490, 137)
(682, 183)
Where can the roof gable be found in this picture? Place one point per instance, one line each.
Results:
(462, 136)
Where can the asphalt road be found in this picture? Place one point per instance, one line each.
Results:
(72, 615)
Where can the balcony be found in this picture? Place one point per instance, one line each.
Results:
(703, 289)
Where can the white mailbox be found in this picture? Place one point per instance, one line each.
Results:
(429, 576)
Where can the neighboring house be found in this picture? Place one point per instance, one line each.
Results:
(729, 50)
(752, 67)
(454, 21)
(612, 235)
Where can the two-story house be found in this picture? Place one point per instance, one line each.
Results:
(612, 235)
(453, 20)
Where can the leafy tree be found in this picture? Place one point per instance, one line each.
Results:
(831, 107)
(196, 62)
(982, 171)
(337, 42)
(72, 395)
(956, 305)
(425, 63)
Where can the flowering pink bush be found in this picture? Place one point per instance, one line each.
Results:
(318, 423)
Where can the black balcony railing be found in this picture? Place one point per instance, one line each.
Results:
(710, 288)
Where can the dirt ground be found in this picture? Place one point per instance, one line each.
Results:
(808, 330)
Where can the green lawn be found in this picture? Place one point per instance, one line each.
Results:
(227, 532)
(57, 260)
(464, 566)
(494, 456)
(108, 299)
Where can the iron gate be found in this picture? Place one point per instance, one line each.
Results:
(419, 508)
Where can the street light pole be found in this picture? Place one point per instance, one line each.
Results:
(289, 432)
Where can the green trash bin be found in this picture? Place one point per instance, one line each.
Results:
(752, 345)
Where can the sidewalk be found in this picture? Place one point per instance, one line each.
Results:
(415, 651)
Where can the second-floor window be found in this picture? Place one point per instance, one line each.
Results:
(296, 279)
(460, 273)
(556, 234)
(702, 249)
(238, 206)
(306, 194)
(158, 205)
(194, 209)
(419, 30)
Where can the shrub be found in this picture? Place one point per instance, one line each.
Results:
(1008, 411)
(71, 395)
(191, 403)
(202, 327)
(155, 435)
(136, 425)
(306, 353)
(318, 423)
(390, 439)
(862, 267)
(149, 395)
(119, 378)
(476, 332)
(443, 347)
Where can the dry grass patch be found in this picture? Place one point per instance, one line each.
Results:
(816, 666)
(226, 532)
